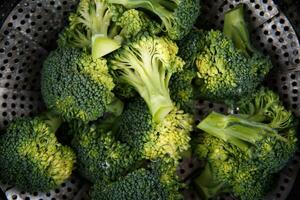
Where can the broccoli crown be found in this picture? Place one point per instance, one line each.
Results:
(227, 65)
(228, 169)
(265, 106)
(182, 91)
(224, 71)
(177, 16)
(157, 180)
(140, 184)
(75, 85)
(182, 83)
(249, 184)
(166, 170)
(155, 140)
(242, 155)
(102, 26)
(31, 157)
(147, 63)
(99, 155)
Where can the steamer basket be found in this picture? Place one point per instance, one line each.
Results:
(29, 33)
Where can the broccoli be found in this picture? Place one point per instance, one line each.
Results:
(76, 86)
(177, 16)
(154, 140)
(242, 155)
(140, 184)
(102, 27)
(99, 155)
(265, 106)
(147, 63)
(156, 181)
(31, 157)
(182, 90)
(227, 66)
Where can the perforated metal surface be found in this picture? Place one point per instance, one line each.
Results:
(30, 31)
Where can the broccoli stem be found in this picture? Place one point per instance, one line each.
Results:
(206, 184)
(152, 84)
(235, 27)
(236, 130)
(102, 44)
(52, 119)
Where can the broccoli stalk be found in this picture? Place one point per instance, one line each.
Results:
(52, 120)
(177, 16)
(207, 185)
(238, 131)
(235, 28)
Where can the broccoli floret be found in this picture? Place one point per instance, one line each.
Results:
(182, 91)
(265, 106)
(155, 140)
(147, 63)
(228, 67)
(177, 16)
(99, 155)
(140, 184)
(228, 171)
(31, 157)
(159, 127)
(182, 88)
(242, 155)
(76, 86)
(158, 180)
(102, 27)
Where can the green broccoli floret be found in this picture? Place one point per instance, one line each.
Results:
(31, 157)
(140, 184)
(177, 16)
(155, 140)
(76, 86)
(102, 27)
(147, 63)
(228, 67)
(181, 86)
(182, 90)
(242, 155)
(228, 171)
(99, 155)
(158, 180)
(265, 106)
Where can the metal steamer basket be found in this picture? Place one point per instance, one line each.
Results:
(30, 31)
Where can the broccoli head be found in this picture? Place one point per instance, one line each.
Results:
(76, 86)
(177, 16)
(182, 89)
(31, 157)
(158, 180)
(265, 106)
(102, 27)
(227, 66)
(154, 140)
(140, 184)
(228, 170)
(99, 155)
(242, 155)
